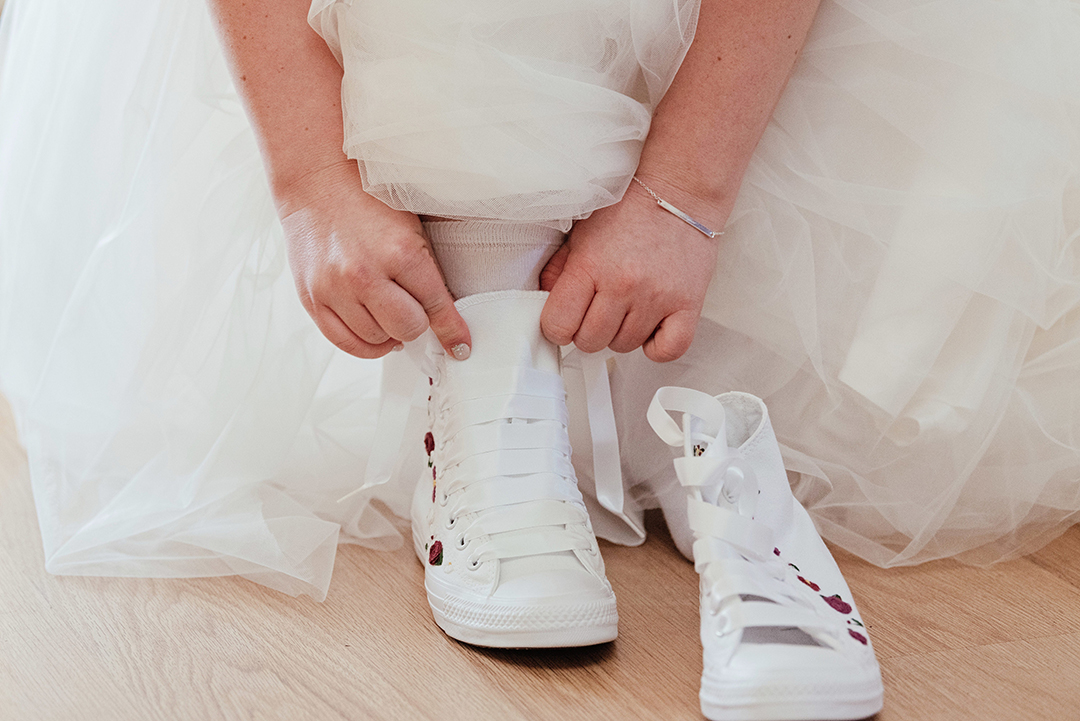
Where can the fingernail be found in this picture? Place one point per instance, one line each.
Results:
(398, 347)
(460, 351)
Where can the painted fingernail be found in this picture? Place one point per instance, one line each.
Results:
(398, 347)
(460, 351)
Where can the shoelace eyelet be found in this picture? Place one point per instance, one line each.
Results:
(450, 523)
(461, 543)
(474, 563)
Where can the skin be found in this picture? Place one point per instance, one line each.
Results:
(631, 275)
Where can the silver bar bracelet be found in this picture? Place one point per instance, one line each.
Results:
(678, 213)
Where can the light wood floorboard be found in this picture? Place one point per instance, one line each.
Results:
(954, 642)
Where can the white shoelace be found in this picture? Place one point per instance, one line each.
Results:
(741, 576)
(505, 470)
(402, 388)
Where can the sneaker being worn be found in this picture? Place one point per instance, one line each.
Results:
(780, 633)
(498, 521)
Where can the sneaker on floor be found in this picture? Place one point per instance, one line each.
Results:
(498, 521)
(781, 636)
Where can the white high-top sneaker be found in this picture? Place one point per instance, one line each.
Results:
(498, 522)
(781, 636)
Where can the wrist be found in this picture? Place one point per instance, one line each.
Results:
(707, 204)
(314, 184)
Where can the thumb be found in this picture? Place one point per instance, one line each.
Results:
(554, 267)
(448, 325)
(673, 337)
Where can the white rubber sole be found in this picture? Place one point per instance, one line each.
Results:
(519, 626)
(837, 704)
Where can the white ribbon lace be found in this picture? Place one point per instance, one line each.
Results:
(741, 576)
(403, 389)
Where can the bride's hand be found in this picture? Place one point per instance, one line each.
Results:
(365, 272)
(629, 275)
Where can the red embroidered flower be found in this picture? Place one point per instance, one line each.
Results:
(435, 554)
(429, 443)
(838, 603)
(811, 584)
(857, 636)
(776, 551)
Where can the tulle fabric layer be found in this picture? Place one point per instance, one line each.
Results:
(900, 281)
(522, 111)
(181, 415)
(901, 277)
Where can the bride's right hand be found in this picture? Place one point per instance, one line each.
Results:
(365, 272)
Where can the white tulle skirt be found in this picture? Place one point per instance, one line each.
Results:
(900, 281)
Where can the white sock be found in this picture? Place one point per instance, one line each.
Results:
(478, 256)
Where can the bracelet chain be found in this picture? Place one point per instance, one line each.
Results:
(678, 213)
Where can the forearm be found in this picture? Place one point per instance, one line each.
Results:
(290, 84)
(707, 126)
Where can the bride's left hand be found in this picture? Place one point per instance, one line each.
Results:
(630, 275)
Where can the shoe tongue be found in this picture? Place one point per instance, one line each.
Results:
(505, 330)
(713, 427)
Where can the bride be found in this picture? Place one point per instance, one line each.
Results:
(899, 275)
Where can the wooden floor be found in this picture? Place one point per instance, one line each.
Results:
(955, 643)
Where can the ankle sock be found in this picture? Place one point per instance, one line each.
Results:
(478, 256)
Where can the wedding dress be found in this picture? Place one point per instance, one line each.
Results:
(899, 279)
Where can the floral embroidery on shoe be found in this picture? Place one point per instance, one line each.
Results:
(699, 450)
(429, 443)
(856, 621)
(776, 551)
(838, 603)
(795, 567)
(811, 584)
(857, 636)
(435, 554)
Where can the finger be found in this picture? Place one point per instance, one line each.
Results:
(396, 311)
(361, 323)
(601, 323)
(673, 337)
(566, 306)
(423, 281)
(554, 267)
(637, 327)
(338, 333)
